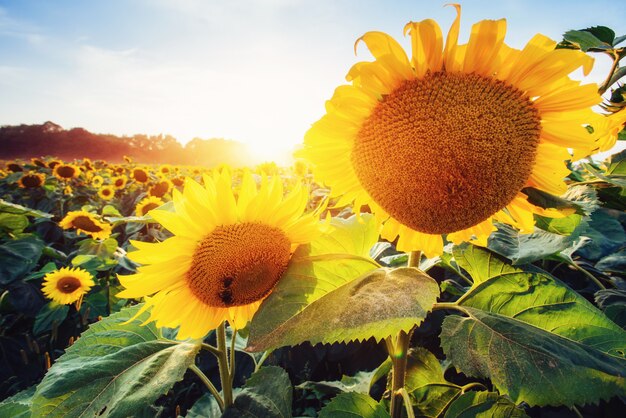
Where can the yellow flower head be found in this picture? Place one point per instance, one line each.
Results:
(119, 182)
(87, 223)
(14, 167)
(611, 125)
(160, 188)
(166, 169)
(97, 181)
(140, 175)
(444, 142)
(53, 163)
(106, 192)
(31, 180)
(38, 162)
(67, 285)
(68, 190)
(226, 255)
(65, 172)
(147, 204)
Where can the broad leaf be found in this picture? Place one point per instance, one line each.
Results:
(617, 162)
(352, 405)
(483, 405)
(267, 393)
(359, 383)
(7, 207)
(613, 303)
(49, 315)
(12, 222)
(113, 370)
(378, 304)
(586, 40)
(18, 405)
(205, 407)
(19, 257)
(530, 364)
(613, 263)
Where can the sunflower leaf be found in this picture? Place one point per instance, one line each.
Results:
(18, 405)
(352, 404)
(483, 405)
(260, 399)
(8, 207)
(114, 369)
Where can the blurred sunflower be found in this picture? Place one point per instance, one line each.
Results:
(178, 181)
(226, 254)
(53, 163)
(127, 159)
(140, 175)
(106, 192)
(38, 162)
(14, 167)
(444, 143)
(160, 188)
(97, 181)
(119, 182)
(87, 164)
(166, 169)
(147, 204)
(65, 172)
(68, 190)
(67, 285)
(31, 180)
(87, 223)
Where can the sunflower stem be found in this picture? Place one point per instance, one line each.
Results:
(605, 85)
(414, 259)
(408, 405)
(209, 385)
(398, 354)
(211, 349)
(231, 364)
(589, 275)
(222, 361)
(264, 356)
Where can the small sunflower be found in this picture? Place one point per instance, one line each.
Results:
(226, 255)
(166, 169)
(87, 164)
(38, 162)
(127, 159)
(106, 192)
(68, 190)
(65, 172)
(160, 188)
(445, 143)
(140, 175)
(14, 167)
(67, 285)
(53, 163)
(31, 180)
(147, 204)
(97, 181)
(178, 181)
(87, 223)
(119, 182)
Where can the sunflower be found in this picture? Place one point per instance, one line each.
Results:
(140, 175)
(160, 188)
(87, 164)
(87, 223)
(65, 172)
(14, 167)
(38, 162)
(53, 163)
(68, 190)
(226, 255)
(119, 182)
(166, 169)
(97, 181)
(67, 285)
(127, 159)
(147, 204)
(446, 142)
(106, 192)
(31, 180)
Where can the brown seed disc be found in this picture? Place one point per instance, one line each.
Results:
(443, 153)
(148, 208)
(238, 264)
(68, 284)
(66, 171)
(31, 180)
(86, 224)
(140, 175)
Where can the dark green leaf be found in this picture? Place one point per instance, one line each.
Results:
(612, 179)
(483, 405)
(605, 235)
(205, 407)
(12, 222)
(613, 303)
(18, 405)
(19, 257)
(359, 383)
(353, 405)
(617, 75)
(604, 34)
(7, 207)
(549, 201)
(530, 364)
(113, 370)
(614, 263)
(50, 314)
(616, 163)
(585, 40)
(267, 393)
(378, 304)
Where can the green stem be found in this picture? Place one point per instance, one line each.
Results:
(589, 275)
(398, 359)
(231, 357)
(472, 386)
(211, 349)
(408, 405)
(577, 412)
(605, 85)
(209, 385)
(264, 356)
(414, 259)
(438, 306)
(222, 361)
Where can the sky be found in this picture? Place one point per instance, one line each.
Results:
(255, 71)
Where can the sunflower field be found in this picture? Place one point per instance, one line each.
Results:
(444, 246)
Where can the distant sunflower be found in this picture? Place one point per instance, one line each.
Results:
(147, 204)
(106, 192)
(53, 163)
(97, 181)
(446, 142)
(226, 255)
(160, 188)
(87, 223)
(166, 169)
(31, 180)
(68, 190)
(67, 285)
(119, 182)
(127, 159)
(14, 167)
(178, 181)
(65, 172)
(87, 164)
(140, 175)
(38, 162)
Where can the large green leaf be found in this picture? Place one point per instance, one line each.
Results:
(267, 393)
(51, 314)
(18, 405)
(19, 257)
(483, 405)
(378, 304)
(114, 369)
(12, 222)
(530, 364)
(8, 207)
(358, 383)
(330, 261)
(613, 303)
(353, 405)
(205, 407)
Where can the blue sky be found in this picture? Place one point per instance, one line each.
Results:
(257, 71)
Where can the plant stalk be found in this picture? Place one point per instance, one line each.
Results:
(209, 385)
(398, 361)
(222, 361)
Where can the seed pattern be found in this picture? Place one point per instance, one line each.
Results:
(86, 224)
(445, 152)
(238, 264)
(68, 284)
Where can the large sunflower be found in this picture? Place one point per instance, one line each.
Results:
(87, 223)
(31, 180)
(226, 255)
(446, 142)
(67, 285)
